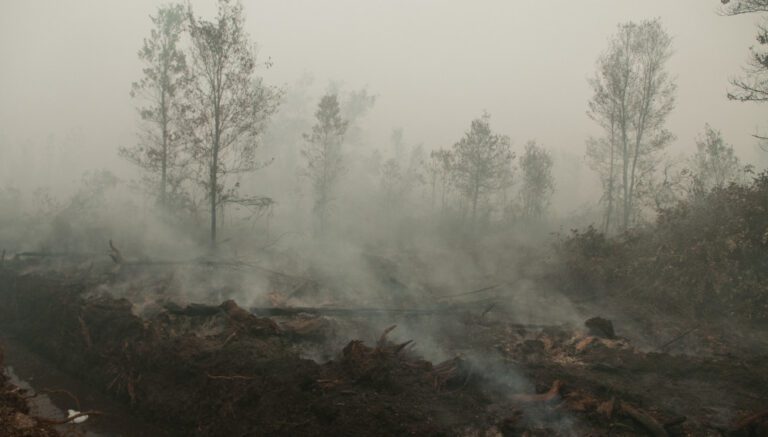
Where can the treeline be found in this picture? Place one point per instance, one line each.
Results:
(633, 95)
(208, 116)
(704, 257)
(205, 111)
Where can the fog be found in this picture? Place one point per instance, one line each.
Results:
(424, 69)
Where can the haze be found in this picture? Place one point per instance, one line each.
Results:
(433, 65)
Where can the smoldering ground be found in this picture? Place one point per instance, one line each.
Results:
(460, 178)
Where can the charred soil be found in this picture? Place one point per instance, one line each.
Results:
(219, 370)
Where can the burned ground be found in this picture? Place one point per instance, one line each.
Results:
(15, 418)
(216, 369)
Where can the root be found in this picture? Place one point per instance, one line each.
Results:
(383, 338)
(399, 348)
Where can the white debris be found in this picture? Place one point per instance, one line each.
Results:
(72, 413)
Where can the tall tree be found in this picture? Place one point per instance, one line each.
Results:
(482, 160)
(715, 164)
(753, 85)
(324, 156)
(439, 169)
(633, 95)
(538, 184)
(398, 144)
(738, 7)
(392, 186)
(229, 106)
(403, 174)
(165, 72)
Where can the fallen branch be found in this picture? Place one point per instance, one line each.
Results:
(750, 420)
(213, 263)
(551, 394)
(328, 383)
(55, 255)
(479, 290)
(329, 311)
(648, 422)
(666, 345)
(230, 377)
(367, 312)
(230, 337)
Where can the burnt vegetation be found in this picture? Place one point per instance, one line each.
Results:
(263, 266)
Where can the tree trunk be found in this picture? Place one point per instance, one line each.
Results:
(625, 158)
(212, 195)
(164, 159)
(611, 178)
(213, 189)
(474, 204)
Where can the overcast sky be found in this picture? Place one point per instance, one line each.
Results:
(434, 65)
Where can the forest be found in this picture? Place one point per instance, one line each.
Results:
(237, 218)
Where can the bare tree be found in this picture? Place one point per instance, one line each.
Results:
(439, 168)
(229, 106)
(403, 174)
(753, 85)
(165, 72)
(715, 163)
(673, 185)
(738, 7)
(392, 186)
(482, 160)
(538, 185)
(323, 155)
(602, 155)
(633, 95)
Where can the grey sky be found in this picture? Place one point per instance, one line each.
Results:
(434, 64)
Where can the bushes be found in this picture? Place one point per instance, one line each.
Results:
(707, 255)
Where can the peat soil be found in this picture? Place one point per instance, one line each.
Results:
(220, 370)
(15, 417)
